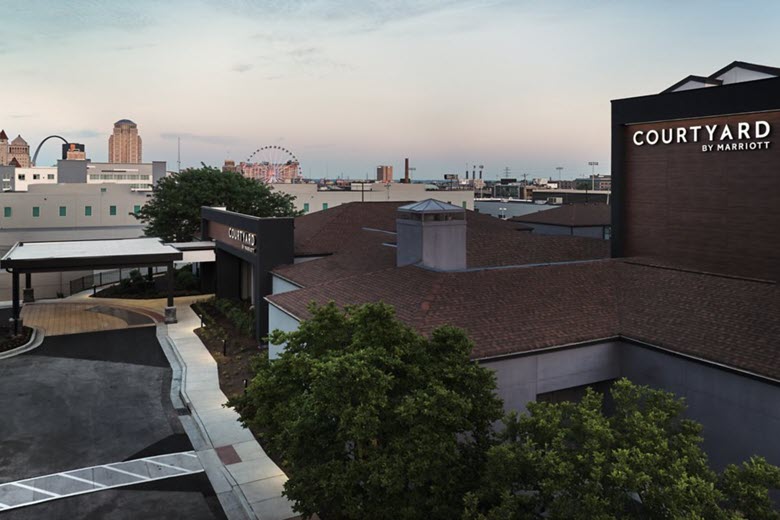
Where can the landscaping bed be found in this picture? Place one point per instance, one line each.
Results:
(139, 287)
(235, 321)
(9, 343)
(224, 319)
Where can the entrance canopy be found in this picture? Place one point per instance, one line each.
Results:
(77, 255)
(29, 257)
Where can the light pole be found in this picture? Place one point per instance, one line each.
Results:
(593, 165)
(559, 168)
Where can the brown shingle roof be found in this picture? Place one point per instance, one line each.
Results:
(571, 215)
(720, 319)
(344, 233)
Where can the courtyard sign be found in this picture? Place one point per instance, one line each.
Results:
(714, 138)
(245, 238)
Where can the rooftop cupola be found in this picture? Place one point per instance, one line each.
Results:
(432, 234)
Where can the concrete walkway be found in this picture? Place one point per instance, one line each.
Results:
(253, 477)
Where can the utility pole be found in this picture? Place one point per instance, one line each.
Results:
(178, 154)
(559, 168)
(593, 165)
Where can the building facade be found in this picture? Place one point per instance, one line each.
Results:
(48, 212)
(124, 145)
(310, 197)
(384, 174)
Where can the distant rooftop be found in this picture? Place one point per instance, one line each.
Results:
(124, 122)
(570, 215)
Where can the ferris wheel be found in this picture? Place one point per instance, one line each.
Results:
(274, 164)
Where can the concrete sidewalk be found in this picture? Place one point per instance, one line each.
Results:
(245, 468)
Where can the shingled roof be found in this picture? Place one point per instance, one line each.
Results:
(352, 237)
(507, 311)
(570, 215)
(524, 292)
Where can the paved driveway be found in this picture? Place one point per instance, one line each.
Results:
(92, 399)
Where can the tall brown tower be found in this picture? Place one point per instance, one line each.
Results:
(124, 146)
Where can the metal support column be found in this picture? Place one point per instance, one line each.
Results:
(15, 296)
(170, 310)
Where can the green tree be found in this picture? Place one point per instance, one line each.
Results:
(573, 461)
(173, 212)
(374, 420)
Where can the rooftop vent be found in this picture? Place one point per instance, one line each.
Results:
(431, 233)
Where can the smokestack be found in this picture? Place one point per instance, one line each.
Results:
(406, 171)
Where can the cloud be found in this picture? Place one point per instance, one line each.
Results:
(84, 134)
(241, 67)
(199, 138)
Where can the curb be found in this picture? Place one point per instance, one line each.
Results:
(180, 399)
(36, 338)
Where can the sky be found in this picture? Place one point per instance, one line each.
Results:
(348, 85)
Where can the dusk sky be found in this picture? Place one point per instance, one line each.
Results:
(350, 85)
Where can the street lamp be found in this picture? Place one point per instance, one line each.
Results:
(593, 165)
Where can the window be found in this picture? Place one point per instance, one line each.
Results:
(136, 208)
(305, 207)
(63, 211)
(87, 211)
(36, 176)
(324, 205)
(7, 212)
(112, 210)
(102, 190)
(464, 204)
(36, 211)
(20, 177)
(50, 176)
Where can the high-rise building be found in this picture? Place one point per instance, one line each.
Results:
(19, 150)
(384, 174)
(3, 148)
(124, 146)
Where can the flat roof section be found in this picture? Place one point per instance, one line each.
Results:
(91, 254)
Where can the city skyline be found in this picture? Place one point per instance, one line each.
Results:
(446, 83)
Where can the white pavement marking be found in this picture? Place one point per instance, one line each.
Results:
(36, 490)
(97, 486)
(136, 475)
(90, 482)
(165, 465)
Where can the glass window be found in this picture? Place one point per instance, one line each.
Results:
(7, 212)
(324, 205)
(464, 204)
(50, 176)
(87, 211)
(36, 176)
(136, 208)
(112, 210)
(36, 211)
(20, 177)
(63, 211)
(305, 207)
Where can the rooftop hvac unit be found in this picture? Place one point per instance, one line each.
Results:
(554, 200)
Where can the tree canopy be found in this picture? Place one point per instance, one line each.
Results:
(374, 420)
(173, 212)
(644, 460)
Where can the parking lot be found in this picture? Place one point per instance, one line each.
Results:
(96, 399)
